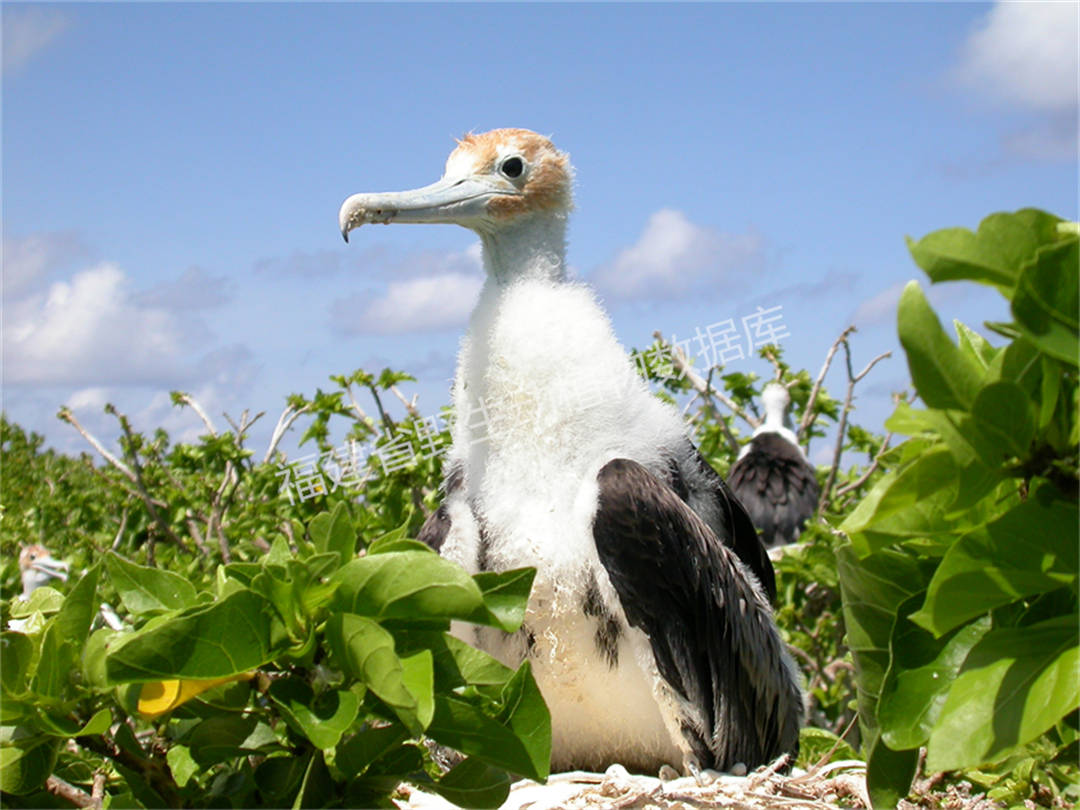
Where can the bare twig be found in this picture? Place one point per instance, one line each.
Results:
(808, 414)
(68, 792)
(69, 417)
(120, 531)
(410, 407)
(704, 387)
(154, 771)
(140, 485)
(98, 790)
(285, 421)
(841, 428)
(862, 479)
(188, 400)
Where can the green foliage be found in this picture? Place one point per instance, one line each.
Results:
(353, 667)
(960, 579)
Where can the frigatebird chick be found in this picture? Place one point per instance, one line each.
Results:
(648, 629)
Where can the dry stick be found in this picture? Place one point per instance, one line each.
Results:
(69, 417)
(808, 414)
(187, 399)
(120, 531)
(285, 421)
(68, 792)
(706, 388)
(410, 407)
(862, 479)
(826, 491)
(141, 485)
(98, 790)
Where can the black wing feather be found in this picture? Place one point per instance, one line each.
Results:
(777, 487)
(711, 631)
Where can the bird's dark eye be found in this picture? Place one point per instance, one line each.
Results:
(513, 167)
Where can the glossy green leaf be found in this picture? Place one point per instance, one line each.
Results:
(17, 653)
(279, 777)
(43, 600)
(519, 739)
(358, 752)
(59, 725)
(1047, 300)
(974, 345)
(1003, 412)
(26, 760)
(1029, 550)
(474, 783)
(233, 635)
(506, 596)
(944, 376)
(417, 673)
(1015, 684)
(146, 590)
(182, 765)
(921, 670)
(992, 255)
(220, 738)
(405, 584)
(322, 720)
(889, 774)
(334, 532)
(366, 651)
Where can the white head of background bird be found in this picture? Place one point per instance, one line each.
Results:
(510, 186)
(38, 568)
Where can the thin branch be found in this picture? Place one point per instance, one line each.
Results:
(367, 420)
(98, 790)
(155, 772)
(391, 430)
(69, 417)
(120, 531)
(841, 430)
(187, 399)
(410, 407)
(285, 421)
(808, 415)
(862, 479)
(703, 386)
(141, 485)
(68, 792)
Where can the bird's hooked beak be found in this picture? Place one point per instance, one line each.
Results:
(51, 567)
(458, 200)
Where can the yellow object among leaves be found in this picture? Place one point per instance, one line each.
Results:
(159, 697)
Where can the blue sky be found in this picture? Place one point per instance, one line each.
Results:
(172, 175)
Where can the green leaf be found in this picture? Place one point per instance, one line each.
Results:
(365, 650)
(473, 783)
(61, 726)
(334, 532)
(1004, 413)
(182, 765)
(42, 600)
(944, 376)
(358, 752)
(17, 653)
(889, 774)
(993, 255)
(148, 590)
(1031, 549)
(26, 760)
(1015, 684)
(519, 740)
(407, 584)
(220, 738)
(506, 595)
(1046, 302)
(975, 345)
(921, 670)
(278, 777)
(455, 662)
(233, 635)
(417, 673)
(322, 720)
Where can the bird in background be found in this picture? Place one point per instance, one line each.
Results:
(649, 628)
(772, 478)
(37, 568)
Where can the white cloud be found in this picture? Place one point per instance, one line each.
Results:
(443, 299)
(90, 330)
(194, 289)
(415, 305)
(673, 256)
(1026, 54)
(27, 31)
